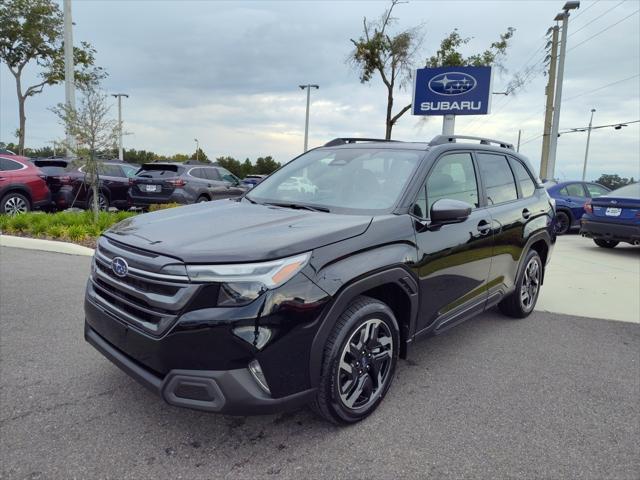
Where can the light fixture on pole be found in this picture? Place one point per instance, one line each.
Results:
(553, 140)
(119, 97)
(586, 151)
(197, 149)
(308, 87)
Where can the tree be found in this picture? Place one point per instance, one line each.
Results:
(200, 156)
(139, 156)
(613, 181)
(390, 56)
(32, 31)
(93, 131)
(231, 164)
(265, 165)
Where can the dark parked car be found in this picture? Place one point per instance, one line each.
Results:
(614, 217)
(570, 198)
(161, 182)
(22, 186)
(56, 174)
(113, 186)
(292, 296)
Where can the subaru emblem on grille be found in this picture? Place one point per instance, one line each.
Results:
(119, 266)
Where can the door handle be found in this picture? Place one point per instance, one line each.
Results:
(484, 227)
(526, 213)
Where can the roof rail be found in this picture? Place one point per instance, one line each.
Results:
(444, 139)
(345, 140)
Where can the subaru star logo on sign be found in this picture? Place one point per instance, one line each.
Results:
(119, 266)
(452, 91)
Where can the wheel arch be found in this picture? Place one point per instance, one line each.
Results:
(17, 188)
(541, 243)
(396, 287)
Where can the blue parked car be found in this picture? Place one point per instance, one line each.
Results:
(614, 217)
(570, 199)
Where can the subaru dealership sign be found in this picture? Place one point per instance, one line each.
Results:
(452, 91)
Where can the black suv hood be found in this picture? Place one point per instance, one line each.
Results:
(231, 231)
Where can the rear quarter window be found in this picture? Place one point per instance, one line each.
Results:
(7, 165)
(527, 187)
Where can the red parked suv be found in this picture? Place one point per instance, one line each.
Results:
(22, 185)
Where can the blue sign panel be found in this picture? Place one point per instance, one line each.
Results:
(452, 91)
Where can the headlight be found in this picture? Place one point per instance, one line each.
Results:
(244, 282)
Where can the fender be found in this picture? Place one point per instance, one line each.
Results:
(400, 275)
(542, 235)
(16, 187)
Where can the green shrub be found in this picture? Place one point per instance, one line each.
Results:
(4, 222)
(77, 233)
(57, 231)
(162, 206)
(20, 223)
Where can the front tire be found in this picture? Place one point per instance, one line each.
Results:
(521, 302)
(360, 358)
(14, 203)
(606, 243)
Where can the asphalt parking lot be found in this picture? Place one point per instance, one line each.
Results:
(552, 396)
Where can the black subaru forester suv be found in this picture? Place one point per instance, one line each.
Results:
(309, 294)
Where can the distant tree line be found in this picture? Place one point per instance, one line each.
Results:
(262, 165)
(613, 181)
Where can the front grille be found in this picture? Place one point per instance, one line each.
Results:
(145, 297)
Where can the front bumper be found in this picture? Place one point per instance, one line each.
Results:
(610, 231)
(233, 392)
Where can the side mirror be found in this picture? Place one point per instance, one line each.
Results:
(447, 210)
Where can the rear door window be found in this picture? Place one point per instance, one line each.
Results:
(198, 173)
(212, 173)
(575, 190)
(497, 177)
(8, 165)
(111, 171)
(527, 187)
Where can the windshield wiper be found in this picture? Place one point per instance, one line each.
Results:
(299, 206)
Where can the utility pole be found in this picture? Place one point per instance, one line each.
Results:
(519, 136)
(553, 141)
(308, 87)
(119, 97)
(69, 81)
(548, 115)
(586, 151)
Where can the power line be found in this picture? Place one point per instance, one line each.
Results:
(597, 18)
(603, 30)
(531, 139)
(585, 10)
(602, 87)
(617, 125)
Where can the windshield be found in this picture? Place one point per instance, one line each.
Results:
(362, 179)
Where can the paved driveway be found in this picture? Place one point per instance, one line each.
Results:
(549, 397)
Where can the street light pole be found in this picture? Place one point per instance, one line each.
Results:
(69, 80)
(586, 151)
(308, 87)
(119, 97)
(197, 149)
(553, 141)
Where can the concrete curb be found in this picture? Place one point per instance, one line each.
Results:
(44, 245)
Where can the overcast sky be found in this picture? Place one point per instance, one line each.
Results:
(227, 73)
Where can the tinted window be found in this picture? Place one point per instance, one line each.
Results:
(6, 165)
(212, 173)
(453, 177)
(110, 170)
(129, 170)
(527, 187)
(198, 173)
(497, 177)
(574, 190)
(159, 171)
(596, 190)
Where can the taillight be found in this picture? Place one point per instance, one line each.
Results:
(176, 182)
(587, 206)
(66, 180)
(131, 182)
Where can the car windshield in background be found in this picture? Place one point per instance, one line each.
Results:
(158, 171)
(362, 179)
(628, 191)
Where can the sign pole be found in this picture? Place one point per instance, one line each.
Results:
(448, 124)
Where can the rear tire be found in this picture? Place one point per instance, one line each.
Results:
(563, 222)
(202, 199)
(103, 202)
(14, 203)
(606, 243)
(359, 363)
(521, 302)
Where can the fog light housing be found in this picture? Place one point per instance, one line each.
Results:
(258, 375)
